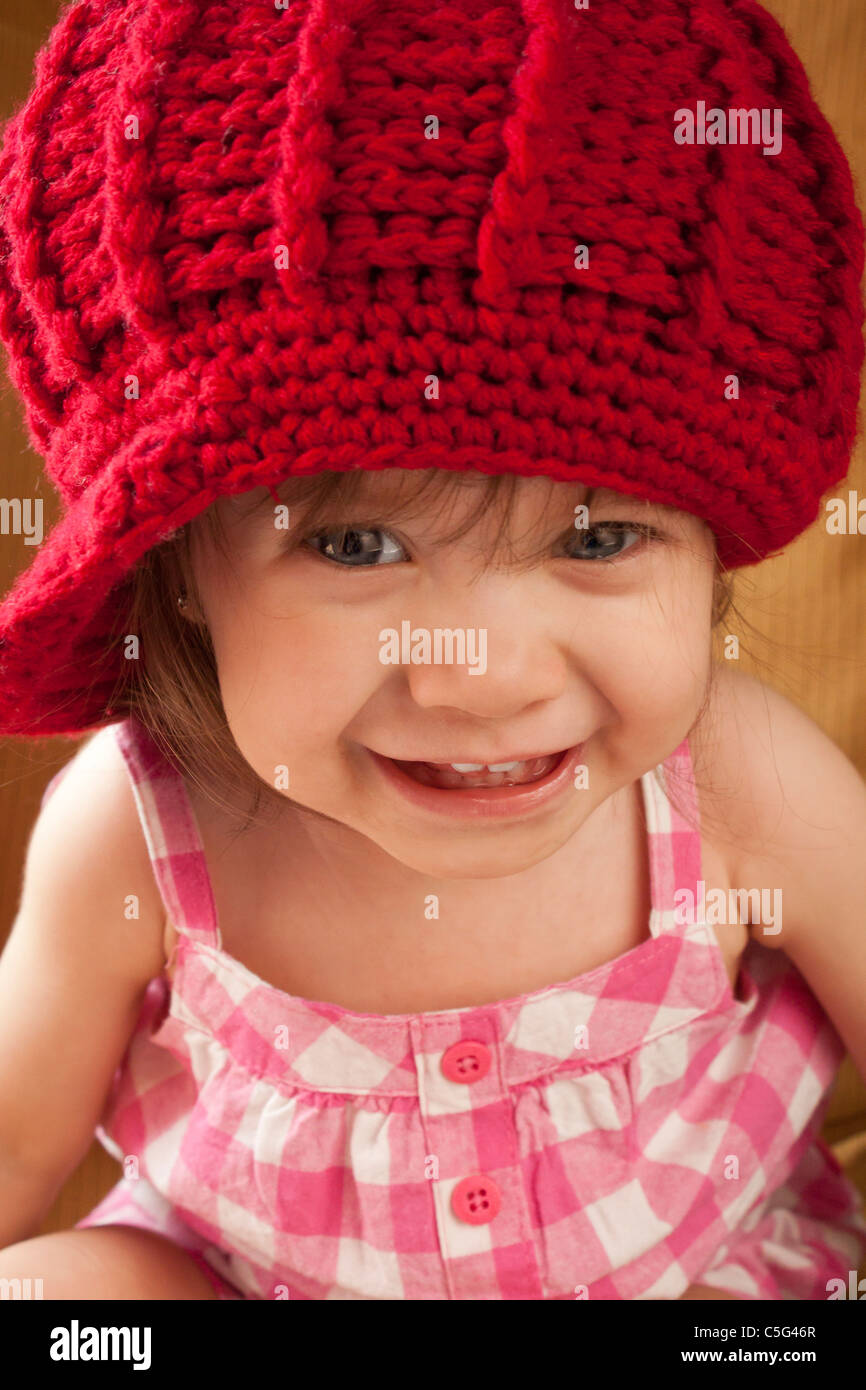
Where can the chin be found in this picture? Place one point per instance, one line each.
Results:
(470, 860)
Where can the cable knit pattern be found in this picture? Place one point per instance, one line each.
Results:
(235, 209)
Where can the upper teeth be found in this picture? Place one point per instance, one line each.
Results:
(491, 767)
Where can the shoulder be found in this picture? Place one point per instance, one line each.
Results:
(87, 846)
(94, 785)
(789, 805)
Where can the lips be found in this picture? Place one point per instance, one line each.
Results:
(516, 772)
(499, 797)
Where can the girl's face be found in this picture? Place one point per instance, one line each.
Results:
(602, 641)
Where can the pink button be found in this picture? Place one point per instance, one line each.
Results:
(466, 1061)
(476, 1199)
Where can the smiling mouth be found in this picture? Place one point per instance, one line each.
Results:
(451, 777)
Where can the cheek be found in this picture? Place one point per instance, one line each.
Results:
(677, 649)
(651, 656)
(294, 682)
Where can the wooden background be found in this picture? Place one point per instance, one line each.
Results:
(802, 614)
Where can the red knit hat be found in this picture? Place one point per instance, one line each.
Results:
(238, 237)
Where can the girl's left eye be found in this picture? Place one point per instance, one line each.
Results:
(614, 531)
(354, 548)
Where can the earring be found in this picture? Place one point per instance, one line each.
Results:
(182, 599)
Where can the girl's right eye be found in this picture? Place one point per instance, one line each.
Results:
(354, 548)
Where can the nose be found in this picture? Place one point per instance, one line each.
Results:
(518, 665)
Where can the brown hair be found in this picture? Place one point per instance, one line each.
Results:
(173, 689)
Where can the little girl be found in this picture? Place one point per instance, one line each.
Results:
(413, 393)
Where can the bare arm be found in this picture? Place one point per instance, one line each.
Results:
(807, 802)
(72, 977)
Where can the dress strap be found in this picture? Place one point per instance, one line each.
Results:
(673, 842)
(172, 834)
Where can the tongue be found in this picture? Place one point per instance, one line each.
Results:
(431, 775)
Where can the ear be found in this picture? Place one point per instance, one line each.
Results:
(176, 575)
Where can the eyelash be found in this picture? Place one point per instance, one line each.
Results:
(649, 533)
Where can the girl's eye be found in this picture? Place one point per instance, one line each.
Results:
(611, 532)
(353, 548)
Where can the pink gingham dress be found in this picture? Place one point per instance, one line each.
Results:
(618, 1136)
